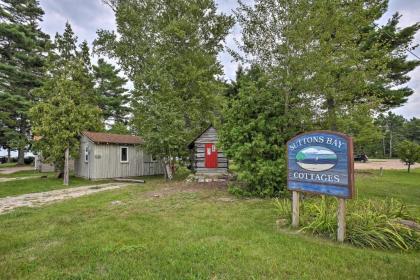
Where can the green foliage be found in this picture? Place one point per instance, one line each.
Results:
(254, 132)
(119, 128)
(112, 97)
(369, 223)
(412, 130)
(409, 153)
(66, 104)
(169, 50)
(22, 49)
(360, 124)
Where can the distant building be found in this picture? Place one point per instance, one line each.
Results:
(42, 166)
(207, 159)
(106, 155)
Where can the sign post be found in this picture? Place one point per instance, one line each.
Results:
(295, 209)
(321, 162)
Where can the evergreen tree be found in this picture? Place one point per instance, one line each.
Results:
(22, 47)
(256, 126)
(393, 132)
(396, 41)
(412, 130)
(112, 97)
(330, 52)
(169, 50)
(67, 103)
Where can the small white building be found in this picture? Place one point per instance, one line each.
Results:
(106, 155)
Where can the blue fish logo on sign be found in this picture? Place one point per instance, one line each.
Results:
(321, 162)
(316, 158)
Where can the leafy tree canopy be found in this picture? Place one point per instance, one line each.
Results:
(169, 50)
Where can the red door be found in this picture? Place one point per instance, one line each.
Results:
(211, 156)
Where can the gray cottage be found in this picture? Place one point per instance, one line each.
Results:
(106, 155)
(207, 159)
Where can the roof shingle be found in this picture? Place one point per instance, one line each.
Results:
(110, 138)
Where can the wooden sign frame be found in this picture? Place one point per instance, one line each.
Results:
(323, 187)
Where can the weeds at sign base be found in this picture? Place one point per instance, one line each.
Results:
(372, 224)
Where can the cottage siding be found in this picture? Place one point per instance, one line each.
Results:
(82, 168)
(108, 162)
(209, 136)
(105, 161)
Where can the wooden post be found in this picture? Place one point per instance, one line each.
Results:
(341, 219)
(295, 209)
(66, 167)
(381, 171)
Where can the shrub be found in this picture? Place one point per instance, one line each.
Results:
(373, 224)
(254, 132)
(409, 153)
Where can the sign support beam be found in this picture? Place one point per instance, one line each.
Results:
(295, 209)
(341, 220)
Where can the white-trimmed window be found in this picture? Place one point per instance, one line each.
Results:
(86, 154)
(124, 154)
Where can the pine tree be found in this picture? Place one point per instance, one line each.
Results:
(21, 68)
(67, 103)
(396, 41)
(330, 52)
(112, 97)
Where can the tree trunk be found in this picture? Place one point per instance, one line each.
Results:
(390, 144)
(168, 169)
(9, 158)
(383, 144)
(66, 167)
(21, 156)
(409, 165)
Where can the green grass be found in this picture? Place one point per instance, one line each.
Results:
(37, 184)
(184, 235)
(27, 173)
(8, 164)
(394, 183)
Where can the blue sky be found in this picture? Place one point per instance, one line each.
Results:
(86, 16)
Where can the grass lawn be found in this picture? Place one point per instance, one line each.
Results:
(8, 164)
(185, 231)
(37, 184)
(394, 183)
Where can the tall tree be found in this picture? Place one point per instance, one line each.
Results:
(113, 98)
(169, 50)
(396, 41)
(256, 125)
(393, 132)
(330, 51)
(22, 49)
(67, 103)
(412, 130)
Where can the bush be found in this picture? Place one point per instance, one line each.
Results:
(254, 132)
(373, 224)
(409, 153)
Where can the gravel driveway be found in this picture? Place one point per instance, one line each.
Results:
(384, 163)
(37, 199)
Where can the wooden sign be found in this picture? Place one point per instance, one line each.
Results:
(321, 162)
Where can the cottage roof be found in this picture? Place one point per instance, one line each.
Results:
(110, 138)
(191, 144)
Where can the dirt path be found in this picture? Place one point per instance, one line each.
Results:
(10, 170)
(37, 199)
(384, 163)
